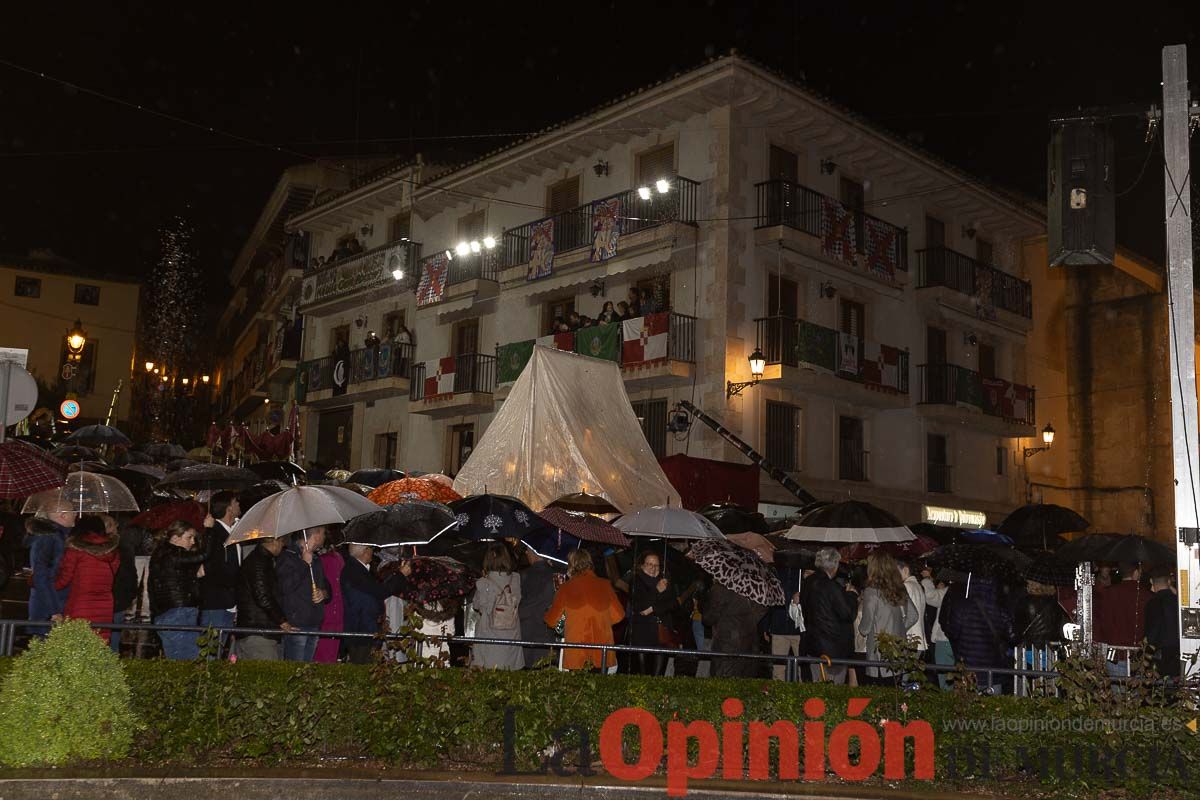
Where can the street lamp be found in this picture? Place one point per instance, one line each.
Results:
(204, 379)
(76, 339)
(1047, 442)
(758, 364)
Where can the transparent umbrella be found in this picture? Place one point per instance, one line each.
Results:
(298, 508)
(83, 493)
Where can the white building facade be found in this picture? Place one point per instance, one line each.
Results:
(883, 288)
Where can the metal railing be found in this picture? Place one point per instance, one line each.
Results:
(573, 227)
(413, 248)
(363, 364)
(792, 342)
(950, 384)
(781, 202)
(937, 477)
(681, 338)
(473, 372)
(941, 266)
(483, 266)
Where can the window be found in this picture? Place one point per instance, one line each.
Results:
(562, 196)
(987, 361)
(392, 322)
(852, 464)
(854, 318)
(84, 379)
(554, 309)
(935, 233)
(339, 337)
(87, 295)
(782, 297)
(400, 226)
(472, 226)
(385, 450)
(657, 162)
(984, 252)
(935, 345)
(783, 436)
(460, 442)
(571, 230)
(1001, 460)
(652, 414)
(937, 470)
(783, 165)
(27, 287)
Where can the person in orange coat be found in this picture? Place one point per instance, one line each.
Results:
(88, 570)
(591, 609)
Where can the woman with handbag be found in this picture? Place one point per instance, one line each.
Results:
(651, 601)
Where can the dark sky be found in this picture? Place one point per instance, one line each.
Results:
(92, 179)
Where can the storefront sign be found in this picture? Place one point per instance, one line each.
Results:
(953, 517)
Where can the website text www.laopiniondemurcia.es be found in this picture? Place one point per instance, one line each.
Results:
(743, 749)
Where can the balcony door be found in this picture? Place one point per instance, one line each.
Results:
(466, 345)
(782, 200)
(783, 306)
(571, 230)
(939, 385)
(852, 461)
(937, 463)
(460, 443)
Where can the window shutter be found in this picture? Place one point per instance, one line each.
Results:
(563, 196)
(656, 163)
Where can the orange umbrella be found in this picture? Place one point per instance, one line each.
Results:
(412, 489)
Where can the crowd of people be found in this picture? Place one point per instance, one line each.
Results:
(638, 303)
(294, 589)
(347, 248)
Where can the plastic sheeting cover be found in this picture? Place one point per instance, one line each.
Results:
(567, 426)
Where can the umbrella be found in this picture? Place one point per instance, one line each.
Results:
(87, 466)
(412, 489)
(681, 571)
(374, 477)
(98, 435)
(1039, 524)
(760, 544)
(942, 534)
(339, 475)
(585, 527)
(75, 452)
(200, 453)
(553, 544)
(177, 464)
(160, 516)
(1116, 547)
(83, 493)
(209, 476)
(437, 578)
(984, 536)
(991, 561)
(735, 519)
(360, 488)
(586, 503)
(163, 451)
(1051, 570)
(436, 477)
(913, 548)
(850, 521)
(285, 471)
(145, 470)
(26, 470)
(495, 516)
(248, 497)
(416, 522)
(298, 508)
(124, 458)
(740, 570)
(668, 522)
(38, 442)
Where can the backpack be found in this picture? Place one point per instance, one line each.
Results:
(504, 613)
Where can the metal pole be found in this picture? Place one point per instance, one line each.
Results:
(1182, 327)
(4, 399)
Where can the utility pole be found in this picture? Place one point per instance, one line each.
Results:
(1185, 443)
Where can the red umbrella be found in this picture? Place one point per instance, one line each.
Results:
(584, 526)
(26, 470)
(412, 489)
(160, 516)
(911, 549)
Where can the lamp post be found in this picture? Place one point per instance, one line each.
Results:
(1047, 443)
(758, 365)
(76, 341)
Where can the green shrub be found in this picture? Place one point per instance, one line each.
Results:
(65, 700)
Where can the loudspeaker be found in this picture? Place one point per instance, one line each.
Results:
(1081, 208)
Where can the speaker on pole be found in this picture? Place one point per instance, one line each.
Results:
(1081, 223)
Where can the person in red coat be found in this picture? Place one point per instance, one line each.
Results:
(87, 571)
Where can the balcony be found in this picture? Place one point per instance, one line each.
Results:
(641, 226)
(660, 351)
(951, 393)
(282, 357)
(453, 386)
(371, 373)
(443, 278)
(820, 226)
(812, 358)
(937, 478)
(974, 288)
(339, 286)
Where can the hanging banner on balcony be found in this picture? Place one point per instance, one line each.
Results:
(645, 339)
(541, 249)
(837, 230)
(439, 377)
(995, 397)
(968, 388)
(880, 244)
(983, 293)
(511, 360)
(600, 341)
(363, 362)
(559, 341)
(848, 354)
(1018, 403)
(881, 367)
(817, 346)
(432, 286)
(606, 228)
(396, 258)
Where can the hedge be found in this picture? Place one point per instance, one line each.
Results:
(253, 713)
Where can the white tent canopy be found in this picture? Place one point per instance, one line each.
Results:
(567, 426)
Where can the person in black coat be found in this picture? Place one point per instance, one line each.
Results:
(257, 603)
(218, 587)
(829, 611)
(1162, 623)
(1039, 617)
(651, 601)
(785, 635)
(363, 597)
(175, 589)
(735, 630)
(537, 595)
(978, 627)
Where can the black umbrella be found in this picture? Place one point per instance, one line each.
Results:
(98, 435)
(259, 491)
(126, 457)
(412, 523)
(1038, 525)
(75, 452)
(942, 534)
(495, 516)
(735, 519)
(375, 477)
(1116, 547)
(209, 476)
(848, 522)
(180, 463)
(585, 503)
(984, 560)
(1051, 570)
(284, 471)
(164, 451)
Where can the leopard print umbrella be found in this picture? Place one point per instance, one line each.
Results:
(739, 570)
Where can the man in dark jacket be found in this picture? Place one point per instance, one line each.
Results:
(1162, 622)
(47, 541)
(303, 592)
(218, 587)
(257, 606)
(787, 637)
(537, 595)
(829, 612)
(363, 596)
(978, 627)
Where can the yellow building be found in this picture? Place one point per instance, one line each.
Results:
(41, 298)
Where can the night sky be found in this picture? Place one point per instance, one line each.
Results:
(92, 179)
